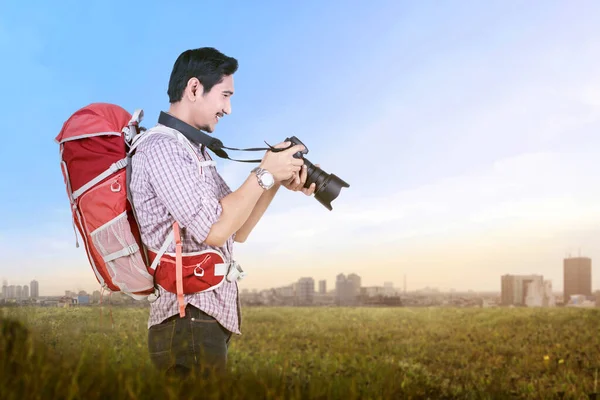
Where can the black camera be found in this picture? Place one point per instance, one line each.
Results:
(327, 186)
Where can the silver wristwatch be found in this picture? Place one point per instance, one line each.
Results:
(265, 178)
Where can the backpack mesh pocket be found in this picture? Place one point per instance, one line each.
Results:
(120, 251)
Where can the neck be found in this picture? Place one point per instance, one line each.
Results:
(192, 134)
(181, 113)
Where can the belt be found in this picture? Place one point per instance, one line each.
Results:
(190, 312)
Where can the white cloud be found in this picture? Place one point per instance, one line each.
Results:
(539, 189)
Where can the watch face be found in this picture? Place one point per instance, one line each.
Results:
(267, 179)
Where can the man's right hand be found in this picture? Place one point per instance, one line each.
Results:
(282, 164)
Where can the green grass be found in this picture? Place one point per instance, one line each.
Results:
(316, 353)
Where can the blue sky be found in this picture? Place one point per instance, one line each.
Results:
(468, 131)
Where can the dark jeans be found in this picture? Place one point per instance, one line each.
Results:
(194, 343)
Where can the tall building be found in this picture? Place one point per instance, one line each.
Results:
(577, 275)
(347, 289)
(356, 283)
(25, 292)
(323, 286)
(515, 288)
(305, 290)
(4, 290)
(35, 289)
(549, 299)
(341, 290)
(539, 294)
(19, 292)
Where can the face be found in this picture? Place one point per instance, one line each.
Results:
(208, 108)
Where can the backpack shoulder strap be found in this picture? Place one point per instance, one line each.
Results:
(164, 130)
(173, 234)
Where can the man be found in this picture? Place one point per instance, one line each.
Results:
(166, 185)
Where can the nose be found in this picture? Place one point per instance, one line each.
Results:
(227, 108)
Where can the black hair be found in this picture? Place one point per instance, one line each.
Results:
(207, 64)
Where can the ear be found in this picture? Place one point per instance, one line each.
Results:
(194, 89)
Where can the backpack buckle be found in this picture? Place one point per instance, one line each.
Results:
(154, 296)
(235, 273)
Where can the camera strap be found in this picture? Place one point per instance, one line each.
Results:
(212, 143)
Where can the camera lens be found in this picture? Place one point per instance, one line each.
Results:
(327, 186)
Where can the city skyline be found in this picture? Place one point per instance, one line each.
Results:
(467, 133)
(557, 285)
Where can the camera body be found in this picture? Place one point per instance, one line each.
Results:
(294, 142)
(328, 186)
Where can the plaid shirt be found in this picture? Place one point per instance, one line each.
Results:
(166, 183)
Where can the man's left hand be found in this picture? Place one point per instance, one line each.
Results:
(296, 183)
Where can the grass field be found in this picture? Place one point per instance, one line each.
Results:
(316, 353)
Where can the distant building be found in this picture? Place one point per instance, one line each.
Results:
(322, 287)
(518, 290)
(35, 289)
(372, 291)
(25, 292)
(355, 282)
(539, 294)
(577, 277)
(549, 298)
(284, 291)
(347, 289)
(388, 288)
(83, 299)
(305, 290)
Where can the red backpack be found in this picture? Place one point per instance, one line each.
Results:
(96, 143)
(93, 155)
